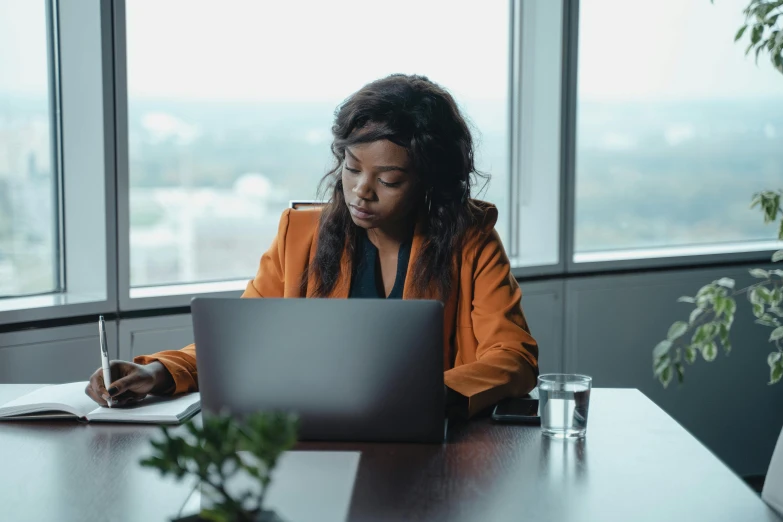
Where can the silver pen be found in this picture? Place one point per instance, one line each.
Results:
(104, 357)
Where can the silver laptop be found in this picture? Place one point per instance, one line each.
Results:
(352, 369)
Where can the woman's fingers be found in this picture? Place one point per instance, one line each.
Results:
(95, 389)
(137, 382)
(122, 385)
(131, 383)
(126, 399)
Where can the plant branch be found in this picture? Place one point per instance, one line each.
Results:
(192, 490)
(228, 500)
(754, 285)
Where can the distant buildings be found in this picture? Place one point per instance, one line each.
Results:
(27, 213)
(202, 234)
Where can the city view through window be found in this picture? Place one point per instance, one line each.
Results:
(231, 119)
(676, 128)
(28, 213)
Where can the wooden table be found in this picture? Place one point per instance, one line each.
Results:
(636, 464)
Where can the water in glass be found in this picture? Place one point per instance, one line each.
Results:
(563, 409)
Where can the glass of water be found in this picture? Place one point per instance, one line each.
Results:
(563, 403)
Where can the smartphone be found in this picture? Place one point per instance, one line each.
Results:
(519, 410)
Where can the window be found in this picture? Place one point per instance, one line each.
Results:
(675, 131)
(29, 259)
(230, 108)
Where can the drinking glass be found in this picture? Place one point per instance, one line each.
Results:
(563, 403)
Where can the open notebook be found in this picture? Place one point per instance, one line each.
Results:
(69, 400)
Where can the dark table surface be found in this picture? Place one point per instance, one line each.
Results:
(636, 463)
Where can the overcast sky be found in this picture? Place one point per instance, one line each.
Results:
(323, 51)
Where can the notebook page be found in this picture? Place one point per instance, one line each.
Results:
(168, 410)
(69, 398)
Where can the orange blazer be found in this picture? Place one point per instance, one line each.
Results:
(488, 352)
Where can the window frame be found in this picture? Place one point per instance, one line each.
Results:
(532, 149)
(624, 260)
(80, 43)
(88, 100)
(150, 297)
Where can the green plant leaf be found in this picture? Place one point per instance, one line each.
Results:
(776, 296)
(661, 364)
(661, 349)
(676, 330)
(709, 351)
(680, 372)
(688, 299)
(773, 358)
(690, 354)
(755, 35)
(740, 32)
(704, 333)
(778, 256)
(726, 282)
(759, 273)
(723, 332)
(666, 376)
(705, 295)
(776, 334)
(775, 373)
(731, 307)
(695, 315)
(721, 304)
(755, 298)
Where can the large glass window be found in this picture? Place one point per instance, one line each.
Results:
(230, 106)
(29, 260)
(676, 129)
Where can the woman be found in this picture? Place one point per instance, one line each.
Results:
(399, 223)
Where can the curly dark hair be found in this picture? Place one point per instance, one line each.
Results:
(419, 115)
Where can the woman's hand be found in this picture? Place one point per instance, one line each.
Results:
(131, 382)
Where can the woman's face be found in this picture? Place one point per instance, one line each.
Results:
(379, 187)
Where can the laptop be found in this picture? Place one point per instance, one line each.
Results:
(352, 369)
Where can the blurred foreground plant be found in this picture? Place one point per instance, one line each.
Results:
(209, 453)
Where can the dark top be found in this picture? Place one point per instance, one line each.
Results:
(368, 284)
(366, 281)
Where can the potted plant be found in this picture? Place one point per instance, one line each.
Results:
(222, 448)
(710, 322)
